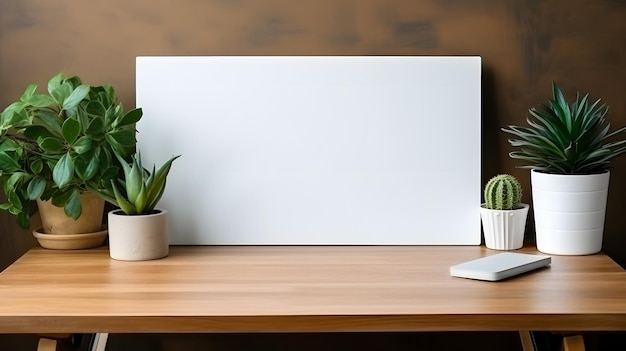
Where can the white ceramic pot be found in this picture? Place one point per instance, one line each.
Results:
(138, 237)
(504, 229)
(569, 212)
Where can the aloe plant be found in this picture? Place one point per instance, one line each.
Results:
(503, 192)
(565, 138)
(140, 191)
(56, 145)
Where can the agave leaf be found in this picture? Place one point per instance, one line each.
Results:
(563, 108)
(616, 132)
(157, 187)
(134, 181)
(123, 162)
(121, 201)
(548, 130)
(142, 199)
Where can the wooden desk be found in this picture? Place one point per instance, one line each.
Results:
(303, 289)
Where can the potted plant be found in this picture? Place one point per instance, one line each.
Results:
(568, 148)
(58, 148)
(138, 231)
(503, 215)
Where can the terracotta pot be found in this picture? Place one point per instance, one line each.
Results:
(55, 221)
(59, 231)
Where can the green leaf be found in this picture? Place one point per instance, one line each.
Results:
(36, 166)
(51, 120)
(28, 92)
(71, 129)
(63, 171)
(35, 188)
(37, 131)
(124, 138)
(96, 128)
(109, 173)
(86, 165)
(83, 145)
(8, 164)
(142, 199)
(11, 118)
(73, 207)
(51, 145)
(122, 203)
(15, 202)
(95, 108)
(40, 100)
(157, 186)
(134, 181)
(61, 92)
(12, 183)
(54, 83)
(60, 197)
(75, 97)
(131, 117)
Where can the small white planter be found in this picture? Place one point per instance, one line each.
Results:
(504, 229)
(138, 237)
(569, 212)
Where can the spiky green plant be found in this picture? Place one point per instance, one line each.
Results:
(503, 192)
(140, 190)
(567, 138)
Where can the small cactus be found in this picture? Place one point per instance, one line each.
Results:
(503, 192)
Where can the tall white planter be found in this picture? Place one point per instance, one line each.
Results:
(138, 237)
(504, 229)
(569, 212)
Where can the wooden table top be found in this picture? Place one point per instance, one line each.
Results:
(303, 289)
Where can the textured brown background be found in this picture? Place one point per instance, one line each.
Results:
(525, 45)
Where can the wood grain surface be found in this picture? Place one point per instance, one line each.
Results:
(303, 289)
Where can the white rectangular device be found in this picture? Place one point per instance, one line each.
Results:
(315, 150)
(499, 266)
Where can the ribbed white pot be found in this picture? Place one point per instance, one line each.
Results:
(569, 212)
(138, 237)
(504, 229)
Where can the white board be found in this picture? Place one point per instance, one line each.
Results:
(309, 150)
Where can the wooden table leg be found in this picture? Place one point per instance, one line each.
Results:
(527, 342)
(47, 344)
(100, 342)
(573, 343)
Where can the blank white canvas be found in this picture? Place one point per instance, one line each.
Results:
(312, 150)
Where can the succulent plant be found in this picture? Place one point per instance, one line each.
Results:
(140, 190)
(567, 139)
(503, 192)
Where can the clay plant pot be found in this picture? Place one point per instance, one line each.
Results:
(58, 231)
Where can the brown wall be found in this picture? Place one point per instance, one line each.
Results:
(525, 45)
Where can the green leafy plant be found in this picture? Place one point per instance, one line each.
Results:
(54, 146)
(503, 192)
(565, 138)
(140, 190)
